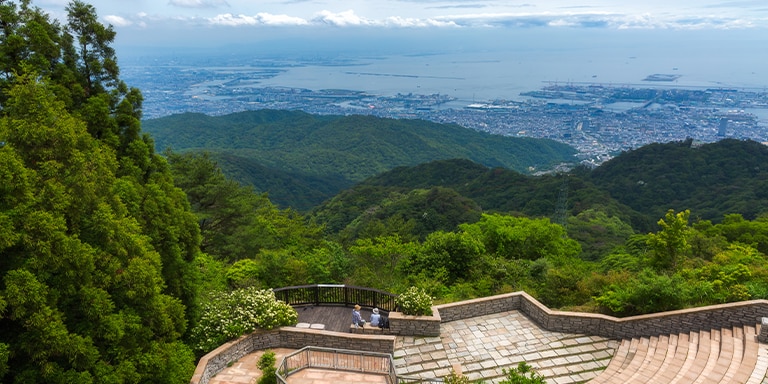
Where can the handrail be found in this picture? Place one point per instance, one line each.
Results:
(339, 360)
(348, 295)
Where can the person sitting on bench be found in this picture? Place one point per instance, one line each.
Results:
(357, 320)
(375, 317)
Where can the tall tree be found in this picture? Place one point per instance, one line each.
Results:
(82, 282)
(670, 244)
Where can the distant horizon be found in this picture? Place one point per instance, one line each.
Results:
(519, 60)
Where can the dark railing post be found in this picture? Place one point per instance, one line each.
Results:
(317, 294)
(346, 296)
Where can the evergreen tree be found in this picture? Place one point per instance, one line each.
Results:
(98, 277)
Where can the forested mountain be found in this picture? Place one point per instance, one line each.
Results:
(337, 150)
(712, 180)
(729, 176)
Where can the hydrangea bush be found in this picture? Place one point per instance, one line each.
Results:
(415, 301)
(229, 315)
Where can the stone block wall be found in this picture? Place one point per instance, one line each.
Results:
(297, 338)
(286, 337)
(477, 307)
(218, 359)
(686, 320)
(404, 325)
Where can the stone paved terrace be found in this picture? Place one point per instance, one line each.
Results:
(479, 347)
(482, 346)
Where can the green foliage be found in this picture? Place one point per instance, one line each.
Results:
(235, 222)
(648, 292)
(267, 366)
(228, 315)
(670, 244)
(84, 274)
(457, 254)
(453, 378)
(711, 180)
(414, 214)
(415, 301)
(523, 238)
(523, 374)
(382, 255)
(597, 232)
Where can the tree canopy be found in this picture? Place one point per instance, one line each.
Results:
(97, 245)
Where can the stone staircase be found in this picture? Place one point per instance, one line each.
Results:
(727, 355)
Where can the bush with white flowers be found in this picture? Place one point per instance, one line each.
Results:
(229, 315)
(415, 301)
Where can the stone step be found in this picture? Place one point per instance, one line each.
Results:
(620, 358)
(728, 355)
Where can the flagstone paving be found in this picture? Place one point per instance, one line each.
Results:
(479, 347)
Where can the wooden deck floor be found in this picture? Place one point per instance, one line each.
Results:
(335, 318)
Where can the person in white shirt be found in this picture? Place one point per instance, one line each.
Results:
(375, 317)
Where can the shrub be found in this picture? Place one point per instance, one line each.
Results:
(453, 378)
(523, 374)
(415, 301)
(231, 314)
(267, 366)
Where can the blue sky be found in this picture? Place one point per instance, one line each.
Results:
(618, 14)
(200, 22)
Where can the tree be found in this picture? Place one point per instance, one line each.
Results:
(83, 285)
(522, 238)
(597, 232)
(670, 244)
(96, 62)
(236, 222)
(377, 260)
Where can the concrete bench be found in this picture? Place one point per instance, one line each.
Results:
(366, 328)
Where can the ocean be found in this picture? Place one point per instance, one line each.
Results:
(487, 66)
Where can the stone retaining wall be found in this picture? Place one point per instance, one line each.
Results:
(686, 320)
(285, 337)
(403, 325)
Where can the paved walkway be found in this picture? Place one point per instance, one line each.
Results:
(479, 347)
(482, 347)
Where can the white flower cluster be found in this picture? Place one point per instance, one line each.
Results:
(231, 314)
(415, 301)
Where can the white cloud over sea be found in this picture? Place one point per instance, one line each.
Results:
(681, 14)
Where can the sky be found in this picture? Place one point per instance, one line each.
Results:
(200, 21)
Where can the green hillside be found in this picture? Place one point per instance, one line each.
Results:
(400, 194)
(639, 186)
(341, 149)
(730, 176)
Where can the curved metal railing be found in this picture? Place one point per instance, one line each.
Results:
(337, 360)
(347, 295)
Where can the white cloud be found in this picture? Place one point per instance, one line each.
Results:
(117, 21)
(259, 19)
(270, 19)
(342, 19)
(198, 3)
(397, 21)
